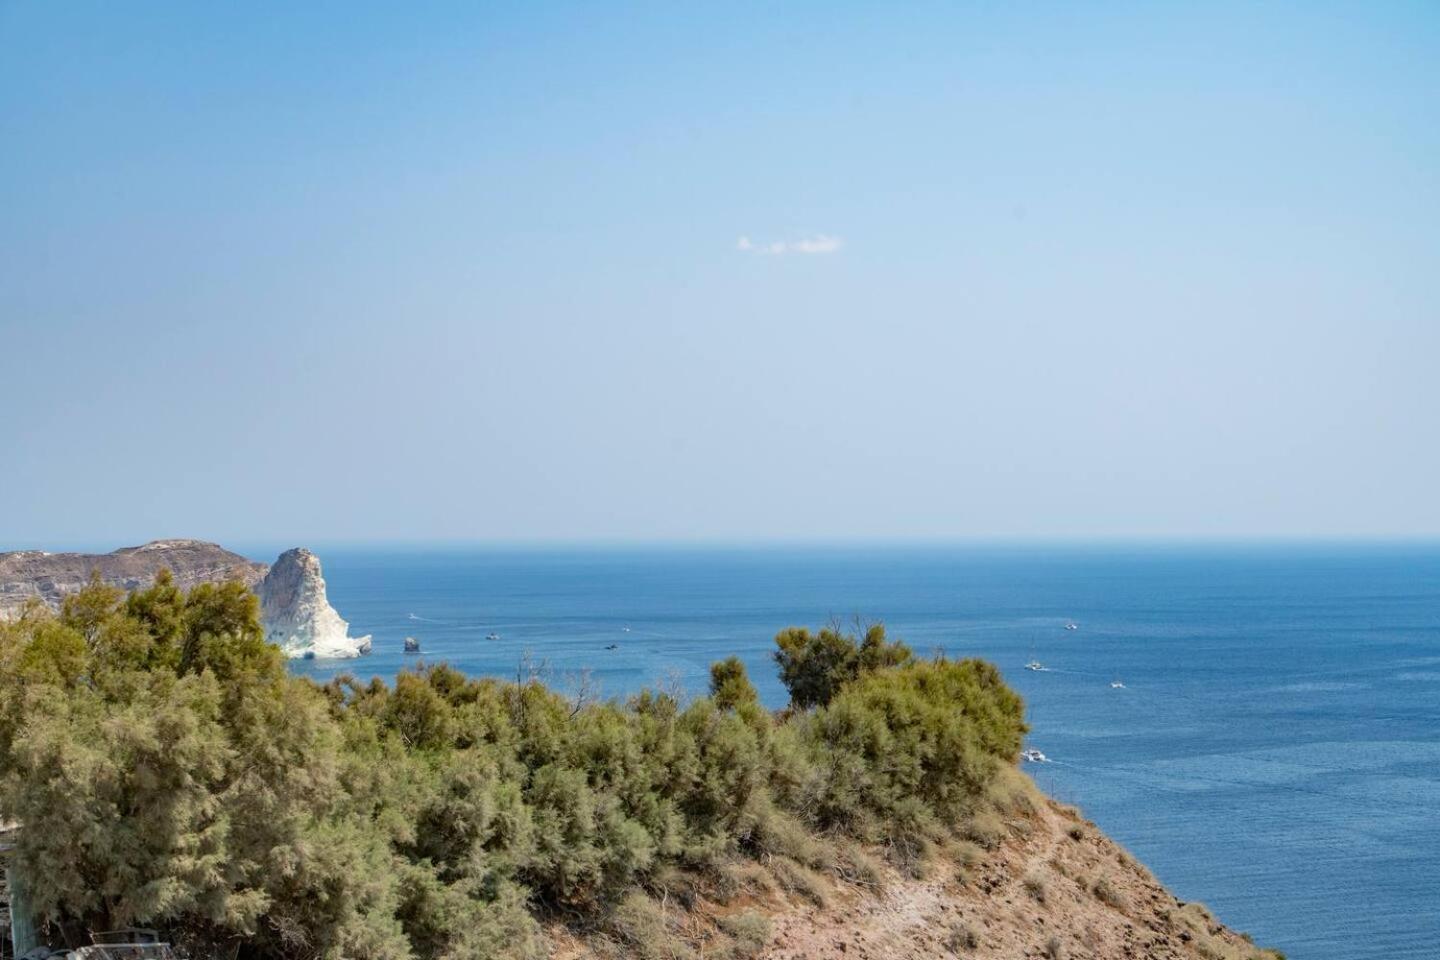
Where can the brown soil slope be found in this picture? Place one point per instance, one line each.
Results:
(1055, 887)
(1052, 887)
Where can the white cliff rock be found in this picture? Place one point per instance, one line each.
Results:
(296, 614)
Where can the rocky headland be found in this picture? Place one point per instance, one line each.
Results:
(750, 873)
(27, 575)
(294, 608)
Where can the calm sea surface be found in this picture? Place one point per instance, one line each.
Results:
(1275, 751)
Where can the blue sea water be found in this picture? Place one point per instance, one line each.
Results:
(1275, 751)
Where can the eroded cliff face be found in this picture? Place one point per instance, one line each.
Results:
(48, 577)
(297, 615)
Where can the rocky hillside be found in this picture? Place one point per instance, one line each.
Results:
(49, 576)
(1039, 882)
(1055, 887)
(880, 816)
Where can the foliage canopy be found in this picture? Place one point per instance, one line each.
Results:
(168, 771)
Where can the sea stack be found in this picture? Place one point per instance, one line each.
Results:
(297, 615)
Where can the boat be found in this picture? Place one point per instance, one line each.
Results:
(613, 646)
(1116, 685)
(412, 645)
(1072, 625)
(1034, 665)
(625, 629)
(492, 636)
(1033, 756)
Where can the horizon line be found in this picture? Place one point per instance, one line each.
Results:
(239, 544)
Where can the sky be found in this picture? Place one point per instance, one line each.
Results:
(718, 272)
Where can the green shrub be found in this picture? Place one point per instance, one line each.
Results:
(814, 666)
(640, 924)
(913, 744)
(730, 685)
(459, 920)
(780, 834)
(241, 808)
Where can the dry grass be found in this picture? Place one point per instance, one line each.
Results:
(641, 926)
(1108, 894)
(967, 856)
(1013, 792)
(985, 828)
(854, 866)
(801, 880)
(780, 834)
(749, 933)
(962, 937)
(1207, 936)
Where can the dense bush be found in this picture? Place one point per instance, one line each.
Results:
(904, 753)
(814, 666)
(168, 771)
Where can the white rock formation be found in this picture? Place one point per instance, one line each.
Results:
(296, 614)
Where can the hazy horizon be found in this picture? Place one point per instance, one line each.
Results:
(266, 548)
(547, 273)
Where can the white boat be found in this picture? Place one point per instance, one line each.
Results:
(412, 645)
(1033, 756)
(1072, 625)
(492, 636)
(625, 629)
(1116, 685)
(1034, 665)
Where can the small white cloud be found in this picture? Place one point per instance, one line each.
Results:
(819, 243)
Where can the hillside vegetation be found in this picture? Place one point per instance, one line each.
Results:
(169, 772)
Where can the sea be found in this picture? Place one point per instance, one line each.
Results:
(1274, 751)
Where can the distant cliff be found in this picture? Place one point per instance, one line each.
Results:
(294, 609)
(27, 574)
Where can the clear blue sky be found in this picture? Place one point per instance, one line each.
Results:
(327, 271)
